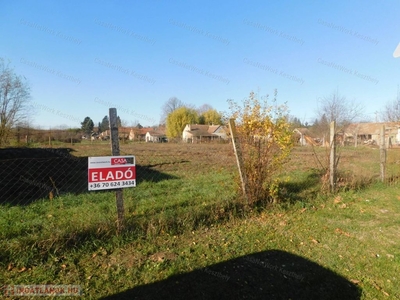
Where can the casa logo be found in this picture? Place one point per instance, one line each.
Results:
(122, 161)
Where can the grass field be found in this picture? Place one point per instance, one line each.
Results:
(188, 236)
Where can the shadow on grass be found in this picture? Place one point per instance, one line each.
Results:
(295, 191)
(307, 188)
(29, 174)
(272, 274)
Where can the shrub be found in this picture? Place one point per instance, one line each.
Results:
(265, 139)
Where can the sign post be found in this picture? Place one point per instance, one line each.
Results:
(113, 172)
(115, 151)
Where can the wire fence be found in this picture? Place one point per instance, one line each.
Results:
(29, 174)
(392, 166)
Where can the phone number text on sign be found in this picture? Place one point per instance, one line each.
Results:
(110, 172)
(112, 185)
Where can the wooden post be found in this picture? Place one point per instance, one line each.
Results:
(18, 135)
(332, 158)
(50, 139)
(356, 139)
(383, 154)
(115, 152)
(239, 158)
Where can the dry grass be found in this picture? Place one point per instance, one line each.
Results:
(184, 224)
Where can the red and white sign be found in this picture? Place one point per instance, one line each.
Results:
(111, 172)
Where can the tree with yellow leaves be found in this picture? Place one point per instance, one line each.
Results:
(178, 119)
(266, 141)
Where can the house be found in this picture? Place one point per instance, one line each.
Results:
(123, 134)
(137, 134)
(198, 133)
(369, 133)
(94, 136)
(305, 138)
(105, 135)
(156, 136)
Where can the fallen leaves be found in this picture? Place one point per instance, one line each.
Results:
(162, 256)
(340, 231)
(375, 285)
(337, 200)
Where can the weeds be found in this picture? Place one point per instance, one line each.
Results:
(195, 220)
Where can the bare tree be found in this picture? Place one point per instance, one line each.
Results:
(14, 98)
(172, 104)
(391, 112)
(334, 108)
(337, 108)
(202, 109)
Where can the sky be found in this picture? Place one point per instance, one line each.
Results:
(81, 58)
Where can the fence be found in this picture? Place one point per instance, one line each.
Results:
(29, 174)
(25, 136)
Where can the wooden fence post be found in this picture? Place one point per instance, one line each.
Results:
(383, 154)
(332, 157)
(239, 158)
(115, 152)
(356, 139)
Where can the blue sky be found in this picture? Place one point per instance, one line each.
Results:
(82, 57)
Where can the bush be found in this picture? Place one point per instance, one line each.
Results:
(265, 139)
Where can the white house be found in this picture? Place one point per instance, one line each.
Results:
(155, 136)
(198, 133)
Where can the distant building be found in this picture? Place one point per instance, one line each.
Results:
(369, 133)
(305, 138)
(198, 133)
(156, 136)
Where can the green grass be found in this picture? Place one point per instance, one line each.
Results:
(193, 221)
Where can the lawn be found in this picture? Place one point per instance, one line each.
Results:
(187, 236)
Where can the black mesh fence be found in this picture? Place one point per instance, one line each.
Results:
(29, 174)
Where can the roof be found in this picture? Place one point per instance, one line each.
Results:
(142, 131)
(302, 131)
(124, 129)
(156, 133)
(371, 128)
(202, 130)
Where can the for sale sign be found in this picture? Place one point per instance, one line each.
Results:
(111, 172)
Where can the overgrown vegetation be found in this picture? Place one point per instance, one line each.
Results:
(191, 221)
(266, 140)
